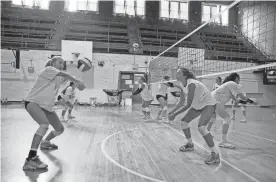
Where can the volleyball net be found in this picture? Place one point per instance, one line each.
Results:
(211, 50)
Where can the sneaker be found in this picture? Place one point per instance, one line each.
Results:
(226, 144)
(213, 158)
(62, 119)
(144, 117)
(34, 163)
(45, 145)
(187, 147)
(71, 117)
(243, 120)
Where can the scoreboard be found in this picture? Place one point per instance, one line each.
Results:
(269, 76)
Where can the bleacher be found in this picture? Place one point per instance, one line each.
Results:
(156, 38)
(226, 44)
(26, 28)
(106, 34)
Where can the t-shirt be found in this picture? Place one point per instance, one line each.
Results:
(162, 89)
(45, 88)
(146, 94)
(225, 92)
(202, 96)
(69, 93)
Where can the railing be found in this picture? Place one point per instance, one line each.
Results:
(53, 31)
(206, 45)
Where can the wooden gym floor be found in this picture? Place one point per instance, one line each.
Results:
(114, 145)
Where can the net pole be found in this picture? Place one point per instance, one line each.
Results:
(195, 30)
(230, 71)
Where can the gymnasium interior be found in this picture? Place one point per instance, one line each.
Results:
(126, 40)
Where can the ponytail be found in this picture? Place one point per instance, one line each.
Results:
(186, 72)
(231, 77)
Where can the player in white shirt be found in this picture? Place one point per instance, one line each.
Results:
(39, 103)
(162, 98)
(200, 103)
(146, 96)
(218, 83)
(67, 100)
(229, 89)
(243, 109)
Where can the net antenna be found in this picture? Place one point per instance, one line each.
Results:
(198, 28)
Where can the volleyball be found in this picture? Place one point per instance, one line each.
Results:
(81, 87)
(84, 64)
(101, 63)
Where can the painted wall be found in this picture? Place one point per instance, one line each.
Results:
(15, 84)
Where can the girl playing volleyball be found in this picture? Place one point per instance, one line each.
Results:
(243, 109)
(147, 97)
(162, 97)
(39, 103)
(200, 103)
(67, 100)
(229, 89)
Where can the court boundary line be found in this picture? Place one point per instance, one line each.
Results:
(256, 136)
(228, 163)
(121, 166)
(103, 143)
(274, 115)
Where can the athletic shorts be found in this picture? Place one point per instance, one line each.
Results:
(165, 97)
(59, 97)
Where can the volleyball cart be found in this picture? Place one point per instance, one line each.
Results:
(114, 96)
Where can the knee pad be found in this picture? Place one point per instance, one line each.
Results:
(203, 130)
(242, 108)
(147, 109)
(165, 108)
(42, 130)
(226, 121)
